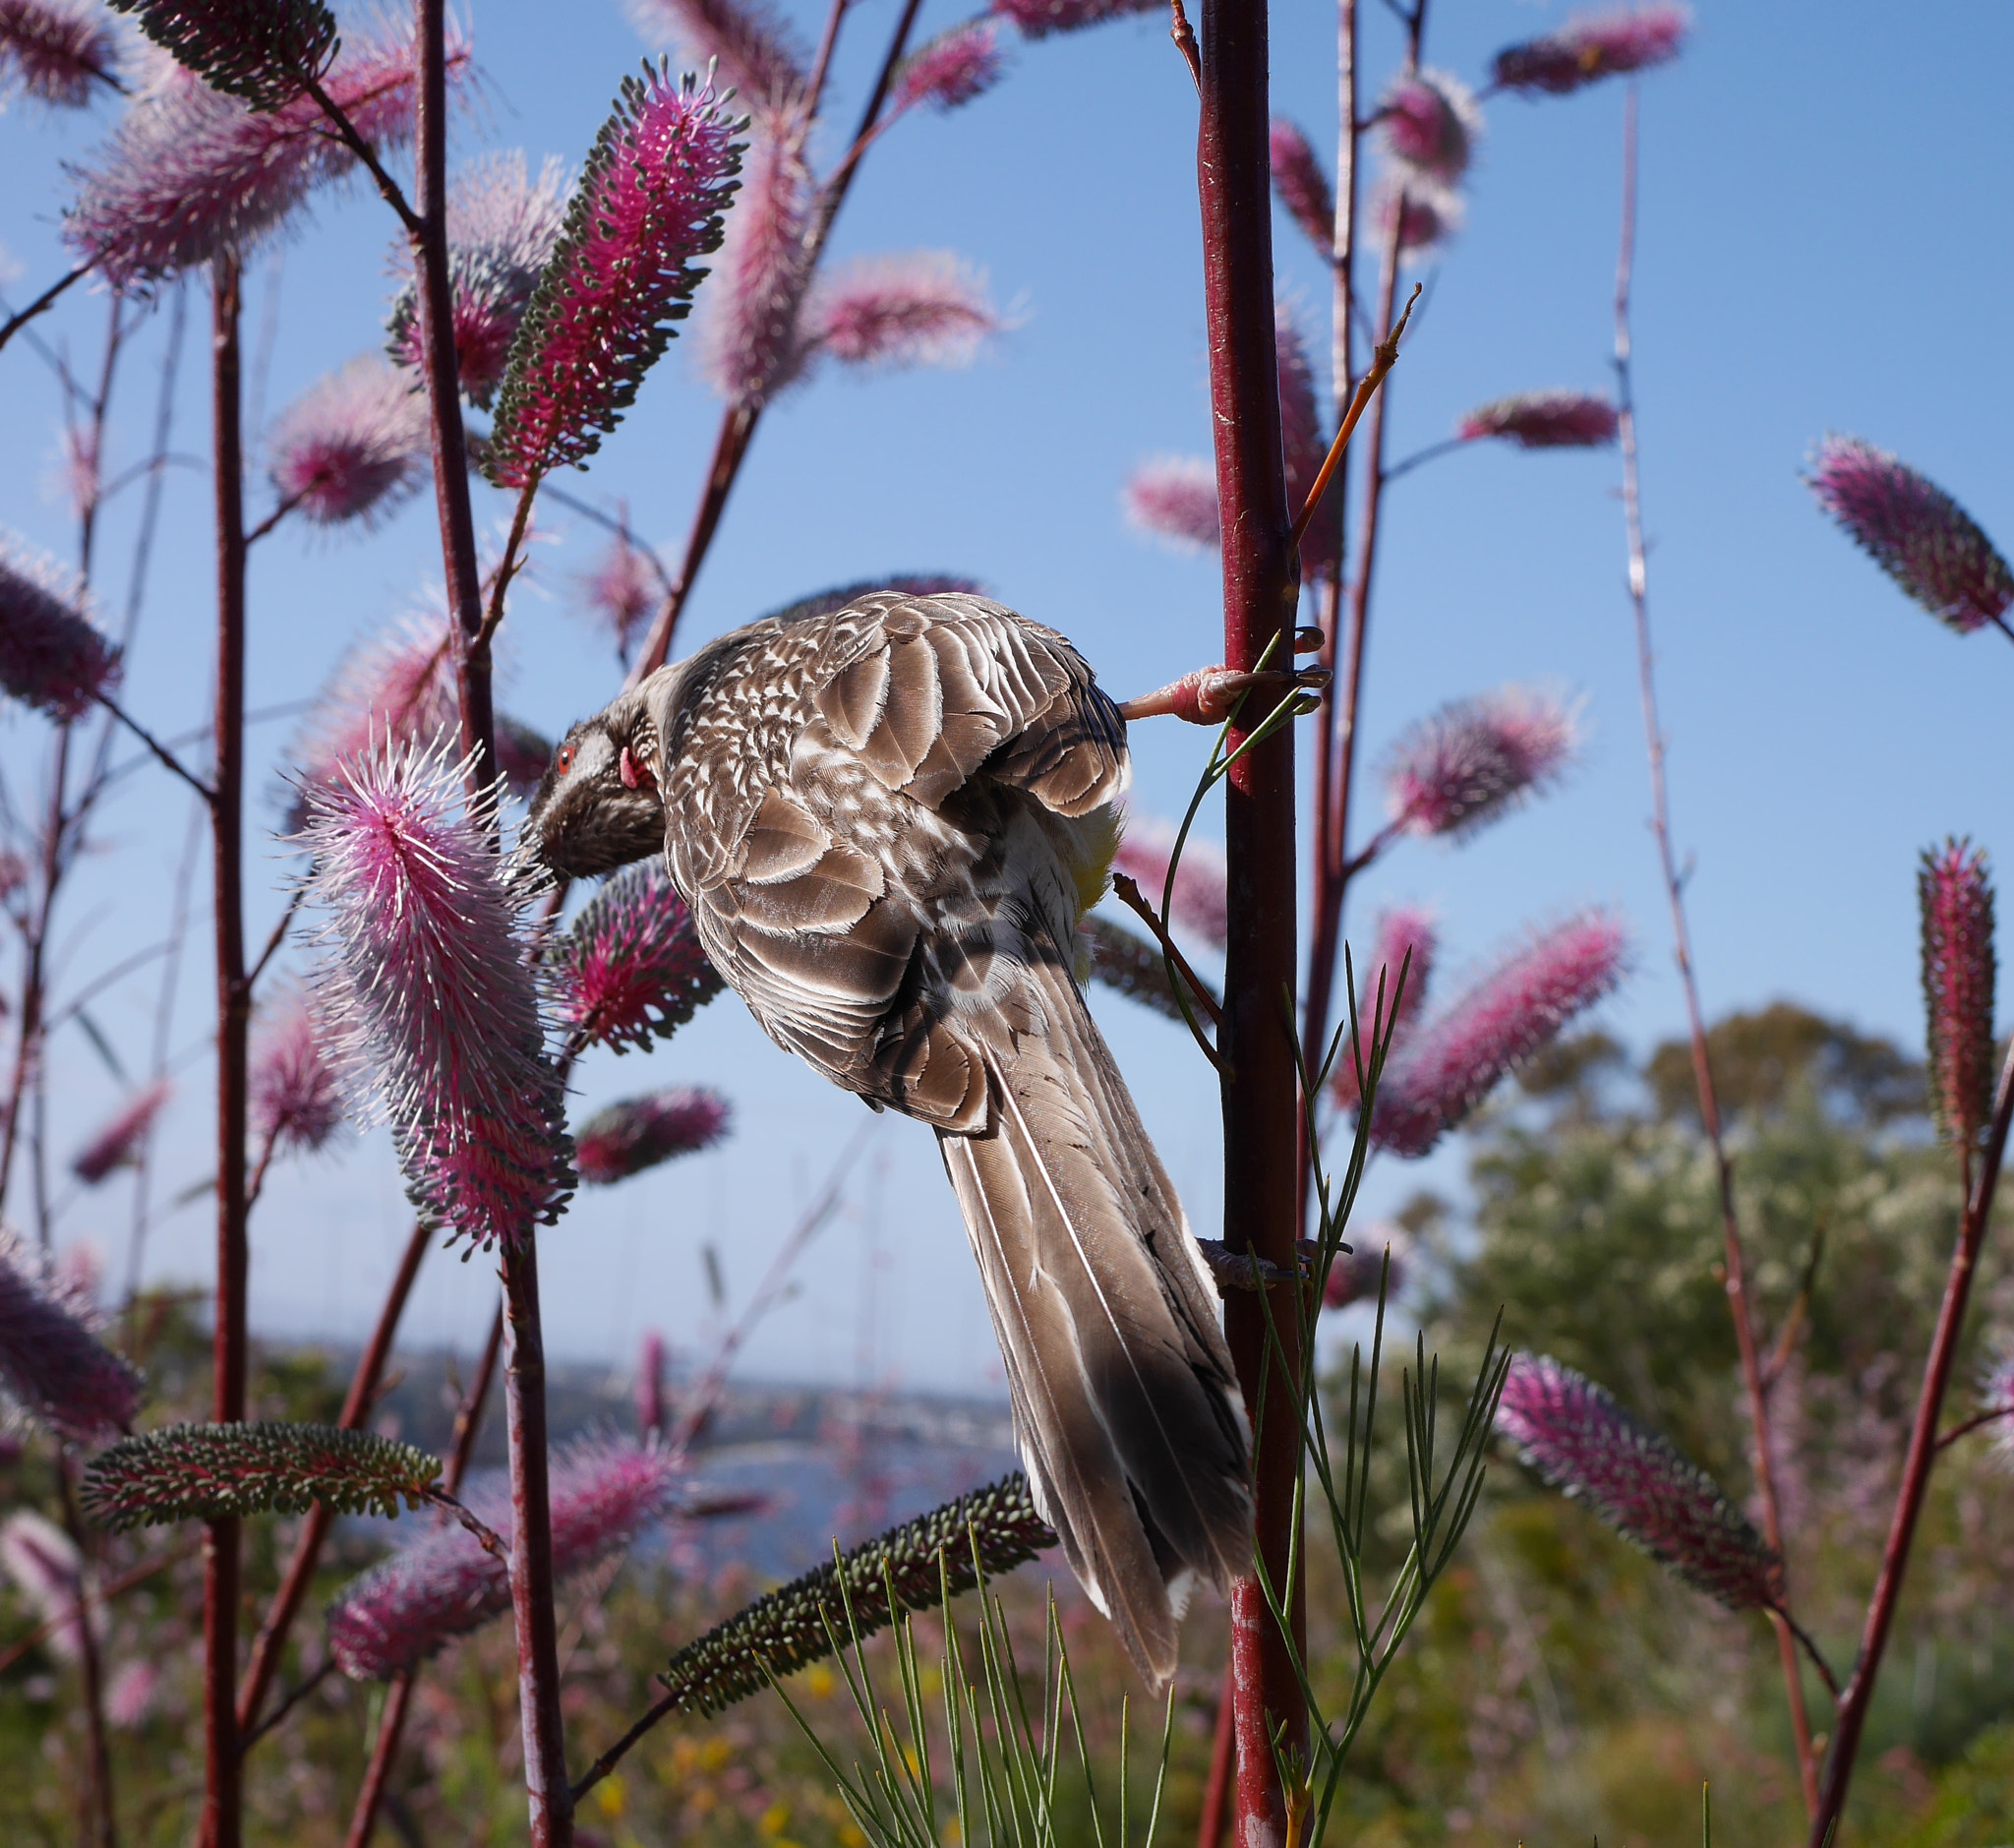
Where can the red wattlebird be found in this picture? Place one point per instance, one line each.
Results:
(887, 821)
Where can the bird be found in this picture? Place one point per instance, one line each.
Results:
(887, 821)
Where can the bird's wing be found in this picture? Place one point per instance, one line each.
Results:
(832, 792)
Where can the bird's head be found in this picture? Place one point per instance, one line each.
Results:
(597, 806)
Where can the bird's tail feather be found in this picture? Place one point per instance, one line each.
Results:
(1125, 1404)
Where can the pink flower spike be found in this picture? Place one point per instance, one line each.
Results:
(1432, 124)
(1449, 1065)
(1544, 420)
(1913, 531)
(1303, 443)
(1996, 1395)
(1594, 46)
(950, 70)
(1583, 1444)
(1469, 763)
(352, 446)
(1356, 1274)
(296, 1098)
(1302, 185)
(117, 1143)
(56, 51)
(605, 1493)
(754, 49)
(1428, 215)
(1174, 498)
(630, 970)
(51, 657)
(922, 309)
(51, 1363)
(48, 1572)
(1406, 939)
(650, 1387)
(750, 347)
(425, 990)
(622, 272)
(1200, 901)
(1037, 19)
(640, 1133)
(622, 592)
(130, 1693)
(1956, 897)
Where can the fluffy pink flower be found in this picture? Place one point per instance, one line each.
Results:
(623, 591)
(130, 1693)
(1996, 1395)
(1356, 1274)
(48, 1572)
(522, 754)
(352, 446)
(1200, 900)
(605, 1493)
(1915, 533)
(502, 227)
(750, 347)
(639, 1133)
(650, 1386)
(296, 1098)
(1431, 123)
(1303, 443)
(51, 657)
(1302, 185)
(191, 171)
(1427, 214)
(397, 690)
(117, 1143)
(922, 309)
(56, 51)
(1174, 498)
(950, 70)
(1956, 897)
(428, 995)
(1590, 48)
(1450, 1064)
(50, 1361)
(1583, 1444)
(1466, 764)
(630, 970)
(1037, 19)
(649, 202)
(1544, 420)
(755, 49)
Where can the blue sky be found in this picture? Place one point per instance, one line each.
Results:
(1824, 245)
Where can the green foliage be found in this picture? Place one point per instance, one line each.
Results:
(215, 1471)
(265, 51)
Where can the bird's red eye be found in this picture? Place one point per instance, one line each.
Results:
(562, 759)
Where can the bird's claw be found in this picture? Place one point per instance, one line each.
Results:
(1209, 695)
(1240, 1270)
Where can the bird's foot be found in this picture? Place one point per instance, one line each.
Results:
(1211, 695)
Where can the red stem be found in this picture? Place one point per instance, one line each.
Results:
(1916, 1471)
(223, 1771)
(101, 1829)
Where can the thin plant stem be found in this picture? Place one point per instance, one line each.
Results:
(41, 304)
(69, 1613)
(100, 1820)
(1734, 1257)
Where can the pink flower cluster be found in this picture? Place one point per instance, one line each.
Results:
(1301, 185)
(428, 994)
(752, 47)
(640, 1133)
(1956, 897)
(1447, 1065)
(951, 69)
(1544, 420)
(631, 969)
(295, 1097)
(1304, 444)
(51, 1362)
(1201, 900)
(118, 1141)
(1583, 1444)
(1174, 497)
(1587, 50)
(1466, 764)
(1915, 531)
(750, 345)
(1425, 215)
(352, 446)
(603, 1494)
(1407, 938)
(1431, 125)
(56, 51)
(395, 690)
(1037, 19)
(1996, 1395)
(622, 592)
(51, 657)
(922, 309)
(47, 1571)
(1357, 1273)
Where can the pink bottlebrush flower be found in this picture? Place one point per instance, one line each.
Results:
(1432, 124)
(622, 592)
(922, 309)
(639, 1133)
(352, 446)
(1544, 420)
(649, 202)
(1356, 1274)
(502, 227)
(1594, 46)
(1468, 763)
(1426, 215)
(1913, 531)
(750, 348)
(1406, 939)
(1303, 444)
(1037, 19)
(1996, 1395)
(950, 70)
(296, 1097)
(1583, 1444)
(755, 51)
(50, 1361)
(650, 1386)
(191, 171)
(1956, 897)
(603, 1494)
(522, 755)
(130, 1693)
(1174, 498)
(117, 1143)
(1302, 185)
(1451, 1063)
(630, 970)
(56, 51)
(51, 657)
(48, 1572)
(431, 1004)
(1201, 898)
